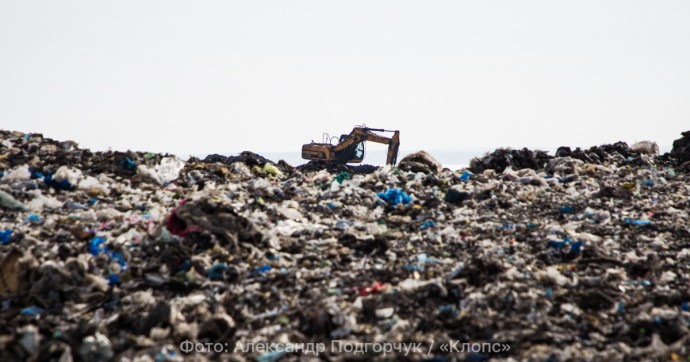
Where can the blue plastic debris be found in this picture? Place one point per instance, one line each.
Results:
(5, 236)
(114, 279)
(567, 210)
(97, 247)
(423, 258)
(264, 268)
(35, 174)
(119, 258)
(332, 205)
(575, 247)
(648, 182)
(465, 176)
(548, 293)
(556, 244)
(167, 354)
(32, 310)
(685, 307)
(620, 308)
(271, 356)
(446, 308)
(343, 224)
(449, 309)
(427, 224)
(414, 267)
(395, 196)
(58, 185)
(128, 164)
(216, 271)
(185, 265)
(33, 218)
(638, 222)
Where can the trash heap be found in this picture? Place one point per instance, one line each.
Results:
(584, 255)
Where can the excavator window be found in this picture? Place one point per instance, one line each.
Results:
(359, 151)
(354, 153)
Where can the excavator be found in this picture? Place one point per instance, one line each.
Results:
(349, 148)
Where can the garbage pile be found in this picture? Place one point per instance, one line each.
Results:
(131, 256)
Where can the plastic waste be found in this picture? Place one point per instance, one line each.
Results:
(30, 339)
(527, 248)
(638, 222)
(96, 348)
(456, 197)
(427, 224)
(5, 236)
(395, 196)
(420, 161)
(162, 174)
(128, 164)
(217, 271)
(18, 174)
(97, 246)
(646, 147)
(32, 311)
(273, 356)
(8, 201)
(272, 170)
(342, 177)
(58, 184)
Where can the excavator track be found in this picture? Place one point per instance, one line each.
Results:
(336, 167)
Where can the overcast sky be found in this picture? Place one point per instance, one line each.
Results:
(225, 76)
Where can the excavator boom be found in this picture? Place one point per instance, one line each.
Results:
(350, 148)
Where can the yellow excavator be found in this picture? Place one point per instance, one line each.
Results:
(349, 148)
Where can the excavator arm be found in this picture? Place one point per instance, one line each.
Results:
(360, 134)
(393, 145)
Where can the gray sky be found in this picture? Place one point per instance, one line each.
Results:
(225, 76)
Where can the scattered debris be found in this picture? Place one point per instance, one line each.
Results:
(124, 255)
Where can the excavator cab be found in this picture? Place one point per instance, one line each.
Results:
(356, 151)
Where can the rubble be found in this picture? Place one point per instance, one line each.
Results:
(681, 148)
(131, 255)
(647, 147)
(420, 161)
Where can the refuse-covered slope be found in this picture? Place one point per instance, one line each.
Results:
(114, 255)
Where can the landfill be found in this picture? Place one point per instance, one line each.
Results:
(134, 256)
